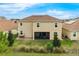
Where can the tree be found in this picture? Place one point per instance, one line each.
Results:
(3, 42)
(56, 42)
(11, 39)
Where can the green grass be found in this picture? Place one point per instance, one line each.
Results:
(33, 54)
(32, 42)
(67, 43)
(36, 54)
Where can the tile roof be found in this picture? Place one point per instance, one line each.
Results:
(72, 27)
(6, 25)
(41, 18)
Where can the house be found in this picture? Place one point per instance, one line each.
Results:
(71, 30)
(40, 27)
(7, 25)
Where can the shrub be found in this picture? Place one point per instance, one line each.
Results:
(35, 49)
(42, 50)
(58, 50)
(56, 42)
(30, 49)
(11, 38)
(21, 48)
(3, 42)
(49, 47)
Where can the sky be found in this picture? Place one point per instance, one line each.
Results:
(21, 10)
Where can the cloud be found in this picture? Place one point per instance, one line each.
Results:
(58, 14)
(14, 8)
(20, 10)
(61, 14)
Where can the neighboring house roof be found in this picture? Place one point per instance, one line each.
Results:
(70, 22)
(72, 27)
(7, 25)
(41, 18)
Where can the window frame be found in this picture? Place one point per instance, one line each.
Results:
(56, 33)
(74, 34)
(56, 25)
(21, 32)
(21, 24)
(38, 25)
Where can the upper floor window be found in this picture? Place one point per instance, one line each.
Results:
(15, 21)
(21, 32)
(74, 34)
(38, 25)
(56, 25)
(20, 24)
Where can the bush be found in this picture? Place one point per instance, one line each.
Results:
(49, 47)
(21, 48)
(56, 42)
(42, 50)
(57, 45)
(3, 42)
(35, 49)
(58, 50)
(11, 38)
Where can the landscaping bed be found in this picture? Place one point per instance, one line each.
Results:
(38, 48)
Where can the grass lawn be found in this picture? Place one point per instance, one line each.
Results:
(35, 54)
(41, 43)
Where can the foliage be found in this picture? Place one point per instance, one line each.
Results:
(59, 50)
(49, 47)
(34, 49)
(3, 42)
(43, 50)
(11, 38)
(67, 43)
(56, 42)
(20, 48)
(41, 44)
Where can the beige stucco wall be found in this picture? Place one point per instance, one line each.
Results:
(66, 32)
(72, 37)
(70, 34)
(48, 27)
(29, 28)
(14, 31)
(26, 28)
(76, 37)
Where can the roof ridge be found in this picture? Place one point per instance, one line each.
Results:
(40, 18)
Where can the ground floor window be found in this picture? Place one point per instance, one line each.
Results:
(55, 33)
(74, 34)
(41, 35)
(21, 32)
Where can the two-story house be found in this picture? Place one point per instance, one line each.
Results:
(40, 27)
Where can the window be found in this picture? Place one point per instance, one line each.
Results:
(38, 25)
(56, 25)
(21, 32)
(15, 21)
(55, 33)
(74, 34)
(20, 24)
